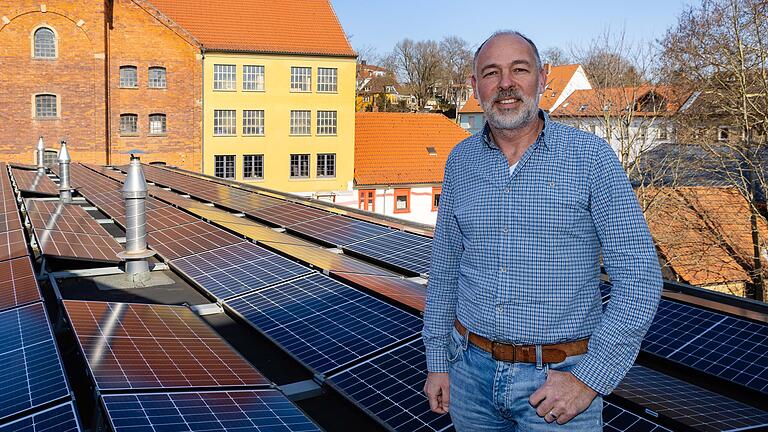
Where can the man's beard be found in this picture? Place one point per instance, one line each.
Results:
(506, 118)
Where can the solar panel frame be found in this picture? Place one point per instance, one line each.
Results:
(617, 419)
(32, 181)
(287, 214)
(18, 282)
(323, 323)
(256, 410)
(339, 230)
(318, 257)
(60, 418)
(238, 269)
(78, 246)
(400, 249)
(402, 291)
(33, 374)
(144, 346)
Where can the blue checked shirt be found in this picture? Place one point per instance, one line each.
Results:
(516, 257)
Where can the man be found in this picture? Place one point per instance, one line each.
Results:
(515, 334)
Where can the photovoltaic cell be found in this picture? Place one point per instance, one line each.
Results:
(167, 217)
(688, 404)
(339, 230)
(32, 372)
(13, 244)
(404, 250)
(189, 239)
(9, 221)
(617, 419)
(19, 286)
(390, 387)
(237, 269)
(287, 214)
(102, 248)
(31, 181)
(139, 346)
(61, 418)
(398, 289)
(258, 411)
(324, 323)
(728, 347)
(324, 259)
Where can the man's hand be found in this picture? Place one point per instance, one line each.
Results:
(438, 391)
(561, 398)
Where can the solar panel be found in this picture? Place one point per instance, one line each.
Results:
(404, 250)
(287, 214)
(56, 216)
(61, 418)
(617, 419)
(390, 385)
(31, 181)
(9, 221)
(167, 217)
(101, 248)
(688, 404)
(728, 347)
(324, 323)
(19, 286)
(189, 239)
(398, 289)
(339, 230)
(141, 346)
(13, 244)
(237, 269)
(260, 411)
(324, 259)
(32, 372)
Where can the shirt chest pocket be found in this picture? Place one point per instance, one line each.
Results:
(551, 210)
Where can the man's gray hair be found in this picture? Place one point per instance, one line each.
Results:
(509, 33)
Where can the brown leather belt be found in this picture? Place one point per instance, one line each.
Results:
(552, 353)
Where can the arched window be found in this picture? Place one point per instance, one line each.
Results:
(157, 125)
(128, 77)
(45, 43)
(157, 77)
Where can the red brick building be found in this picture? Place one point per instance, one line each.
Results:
(109, 76)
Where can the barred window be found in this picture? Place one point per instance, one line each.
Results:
(157, 124)
(128, 77)
(326, 122)
(326, 165)
(224, 166)
(253, 122)
(157, 77)
(129, 124)
(301, 122)
(45, 43)
(253, 166)
(301, 79)
(224, 122)
(50, 158)
(253, 78)
(326, 79)
(45, 106)
(224, 77)
(299, 166)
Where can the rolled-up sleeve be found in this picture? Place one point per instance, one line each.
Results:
(630, 259)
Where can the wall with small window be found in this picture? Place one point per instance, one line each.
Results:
(418, 203)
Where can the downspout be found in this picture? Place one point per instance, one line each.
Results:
(108, 17)
(202, 109)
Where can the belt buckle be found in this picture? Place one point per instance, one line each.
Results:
(495, 344)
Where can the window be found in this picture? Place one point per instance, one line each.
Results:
(301, 122)
(224, 166)
(593, 129)
(253, 78)
(224, 77)
(326, 122)
(436, 191)
(301, 79)
(129, 124)
(402, 201)
(642, 134)
(128, 77)
(157, 77)
(723, 133)
(50, 157)
(366, 199)
(662, 134)
(253, 122)
(326, 165)
(326, 80)
(299, 166)
(224, 122)
(253, 167)
(45, 106)
(157, 124)
(45, 43)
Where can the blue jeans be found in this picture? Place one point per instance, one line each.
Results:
(490, 395)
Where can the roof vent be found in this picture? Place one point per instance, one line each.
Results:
(431, 151)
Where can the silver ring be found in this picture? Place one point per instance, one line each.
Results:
(553, 415)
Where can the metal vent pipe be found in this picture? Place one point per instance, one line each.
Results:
(65, 190)
(135, 195)
(40, 156)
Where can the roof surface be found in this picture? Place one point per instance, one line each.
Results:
(595, 102)
(405, 136)
(261, 25)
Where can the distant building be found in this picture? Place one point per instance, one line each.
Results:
(399, 163)
(379, 90)
(561, 82)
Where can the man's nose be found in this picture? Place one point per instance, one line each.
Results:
(506, 82)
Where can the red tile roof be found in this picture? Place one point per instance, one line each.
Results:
(293, 27)
(590, 103)
(391, 148)
(471, 106)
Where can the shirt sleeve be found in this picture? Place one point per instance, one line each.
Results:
(440, 308)
(630, 259)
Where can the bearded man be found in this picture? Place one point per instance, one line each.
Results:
(515, 334)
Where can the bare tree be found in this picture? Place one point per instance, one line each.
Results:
(720, 48)
(457, 66)
(418, 64)
(556, 56)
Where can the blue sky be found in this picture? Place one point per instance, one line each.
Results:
(380, 24)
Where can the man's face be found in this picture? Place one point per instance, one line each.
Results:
(507, 83)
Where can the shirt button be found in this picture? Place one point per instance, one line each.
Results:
(500, 308)
(502, 269)
(505, 230)
(507, 190)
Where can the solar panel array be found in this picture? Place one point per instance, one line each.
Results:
(32, 181)
(19, 286)
(617, 419)
(404, 250)
(61, 418)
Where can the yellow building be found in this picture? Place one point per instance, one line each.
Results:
(278, 92)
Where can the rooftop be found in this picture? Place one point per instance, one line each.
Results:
(643, 100)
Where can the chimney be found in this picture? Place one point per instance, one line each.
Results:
(65, 190)
(135, 195)
(547, 68)
(40, 156)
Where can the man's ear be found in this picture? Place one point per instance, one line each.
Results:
(542, 80)
(473, 82)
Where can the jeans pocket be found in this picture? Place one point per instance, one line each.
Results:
(456, 347)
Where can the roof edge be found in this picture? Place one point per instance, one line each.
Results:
(289, 53)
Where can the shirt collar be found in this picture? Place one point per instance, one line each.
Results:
(548, 144)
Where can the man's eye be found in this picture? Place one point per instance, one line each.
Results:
(487, 74)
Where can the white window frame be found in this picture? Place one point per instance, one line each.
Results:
(225, 122)
(326, 165)
(160, 81)
(224, 165)
(721, 130)
(301, 79)
(253, 122)
(255, 160)
(327, 123)
(253, 78)
(327, 80)
(135, 118)
(124, 80)
(35, 46)
(160, 120)
(301, 122)
(301, 161)
(224, 77)
(36, 110)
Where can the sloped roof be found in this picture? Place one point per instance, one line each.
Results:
(310, 28)
(595, 102)
(391, 148)
(471, 106)
(378, 84)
